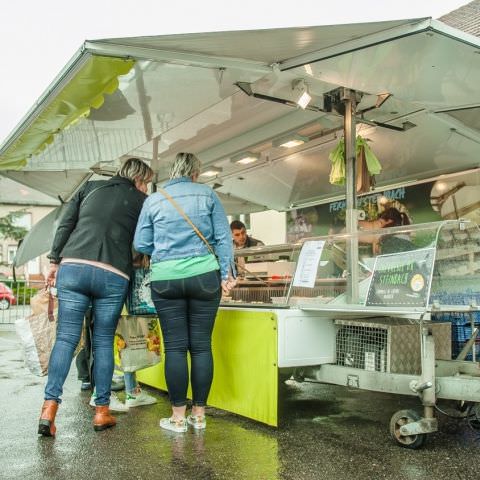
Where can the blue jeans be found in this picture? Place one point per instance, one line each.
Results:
(131, 383)
(79, 286)
(187, 309)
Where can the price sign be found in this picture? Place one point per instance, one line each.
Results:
(307, 266)
(401, 279)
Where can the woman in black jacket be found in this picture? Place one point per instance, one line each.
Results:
(91, 261)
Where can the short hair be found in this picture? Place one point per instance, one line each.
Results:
(394, 215)
(237, 225)
(135, 169)
(185, 165)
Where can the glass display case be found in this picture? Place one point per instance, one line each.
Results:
(266, 274)
(413, 268)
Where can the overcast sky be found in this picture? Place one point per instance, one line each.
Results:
(39, 37)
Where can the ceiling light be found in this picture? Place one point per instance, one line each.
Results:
(211, 171)
(245, 158)
(304, 100)
(289, 141)
(301, 96)
(441, 186)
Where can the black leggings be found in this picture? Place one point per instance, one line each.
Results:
(187, 309)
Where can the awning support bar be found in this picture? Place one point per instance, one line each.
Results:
(351, 194)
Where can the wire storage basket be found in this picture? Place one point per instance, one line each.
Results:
(392, 346)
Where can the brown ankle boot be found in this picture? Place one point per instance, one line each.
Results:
(103, 419)
(46, 425)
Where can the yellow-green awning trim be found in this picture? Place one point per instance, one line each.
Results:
(86, 90)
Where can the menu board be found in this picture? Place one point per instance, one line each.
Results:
(402, 279)
(307, 266)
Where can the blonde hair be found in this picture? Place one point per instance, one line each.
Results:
(135, 169)
(185, 165)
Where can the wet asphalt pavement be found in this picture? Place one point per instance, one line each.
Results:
(326, 432)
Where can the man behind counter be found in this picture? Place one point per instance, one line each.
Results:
(240, 237)
(242, 240)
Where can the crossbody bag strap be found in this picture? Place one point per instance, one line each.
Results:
(89, 194)
(185, 216)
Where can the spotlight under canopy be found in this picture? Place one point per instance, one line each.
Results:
(211, 171)
(290, 141)
(244, 158)
(301, 95)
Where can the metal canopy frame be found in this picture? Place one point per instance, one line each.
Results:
(199, 52)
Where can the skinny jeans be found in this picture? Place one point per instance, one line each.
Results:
(79, 286)
(187, 309)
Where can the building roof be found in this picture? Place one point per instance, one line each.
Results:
(12, 192)
(465, 18)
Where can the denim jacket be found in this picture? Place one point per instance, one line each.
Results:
(164, 234)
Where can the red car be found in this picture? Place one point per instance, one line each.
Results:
(7, 297)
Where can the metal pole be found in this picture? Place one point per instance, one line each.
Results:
(143, 100)
(351, 194)
(428, 371)
(155, 162)
(472, 324)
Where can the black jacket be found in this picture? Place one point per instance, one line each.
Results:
(252, 242)
(100, 227)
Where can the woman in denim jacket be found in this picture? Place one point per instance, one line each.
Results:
(187, 281)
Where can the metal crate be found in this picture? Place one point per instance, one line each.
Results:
(391, 345)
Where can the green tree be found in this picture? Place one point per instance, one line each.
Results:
(8, 229)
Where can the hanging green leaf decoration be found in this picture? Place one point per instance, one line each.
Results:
(373, 165)
(337, 157)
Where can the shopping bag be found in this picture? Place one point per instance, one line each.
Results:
(139, 298)
(137, 342)
(37, 332)
(43, 302)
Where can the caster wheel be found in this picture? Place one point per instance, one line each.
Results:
(401, 418)
(474, 416)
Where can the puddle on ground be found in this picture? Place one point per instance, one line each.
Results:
(346, 418)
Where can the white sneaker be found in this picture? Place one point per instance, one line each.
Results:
(141, 398)
(115, 404)
(198, 422)
(179, 425)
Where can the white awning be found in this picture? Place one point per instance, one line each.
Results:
(191, 93)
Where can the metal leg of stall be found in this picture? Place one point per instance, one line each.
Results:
(438, 379)
(351, 220)
(407, 427)
(472, 324)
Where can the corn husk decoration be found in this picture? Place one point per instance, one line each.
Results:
(367, 165)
